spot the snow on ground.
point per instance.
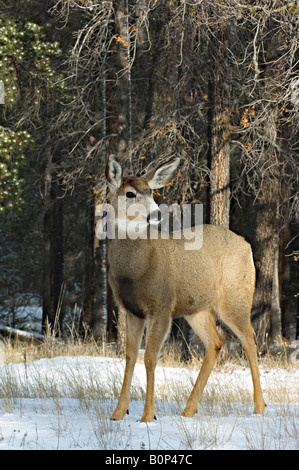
(66, 403)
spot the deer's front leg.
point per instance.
(135, 328)
(157, 330)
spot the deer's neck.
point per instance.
(129, 258)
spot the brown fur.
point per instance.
(156, 280)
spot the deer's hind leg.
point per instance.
(203, 324)
(239, 321)
(135, 328)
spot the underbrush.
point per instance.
(171, 355)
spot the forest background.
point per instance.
(214, 82)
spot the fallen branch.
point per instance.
(15, 334)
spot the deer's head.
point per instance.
(132, 196)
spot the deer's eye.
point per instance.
(130, 195)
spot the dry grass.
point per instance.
(19, 351)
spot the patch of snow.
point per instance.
(56, 419)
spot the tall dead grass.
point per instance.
(16, 351)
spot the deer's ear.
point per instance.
(114, 173)
(163, 173)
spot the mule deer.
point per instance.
(156, 280)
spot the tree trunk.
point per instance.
(219, 133)
(47, 314)
(123, 78)
(284, 280)
(297, 316)
(121, 127)
(144, 64)
(53, 285)
(284, 234)
(112, 316)
(266, 299)
(89, 278)
(275, 319)
(99, 311)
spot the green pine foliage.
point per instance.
(29, 82)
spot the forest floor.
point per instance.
(66, 401)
